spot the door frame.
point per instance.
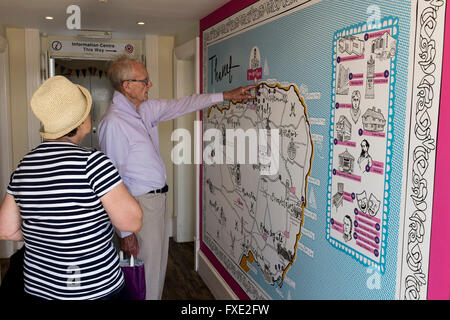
(187, 51)
(5, 122)
(34, 80)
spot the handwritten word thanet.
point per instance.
(218, 74)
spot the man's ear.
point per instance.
(125, 85)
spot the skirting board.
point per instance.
(213, 280)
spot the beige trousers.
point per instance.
(154, 242)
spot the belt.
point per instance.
(162, 190)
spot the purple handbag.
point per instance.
(134, 274)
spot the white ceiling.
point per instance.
(163, 17)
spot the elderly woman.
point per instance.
(63, 200)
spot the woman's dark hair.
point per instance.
(72, 133)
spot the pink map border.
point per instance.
(220, 14)
(439, 275)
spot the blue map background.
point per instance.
(298, 49)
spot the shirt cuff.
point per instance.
(217, 97)
(123, 234)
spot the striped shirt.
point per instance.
(67, 232)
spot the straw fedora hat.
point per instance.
(61, 106)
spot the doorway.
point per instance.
(91, 74)
(186, 176)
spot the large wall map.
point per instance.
(257, 218)
(306, 188)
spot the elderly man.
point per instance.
(128, 134)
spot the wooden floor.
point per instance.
(182, 281)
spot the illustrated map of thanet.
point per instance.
(253, 212)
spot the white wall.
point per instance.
(184, 174)
(20, 77)
(18, 93)
(10, 62)
(187, 35)
(159, 59)
(5, 115)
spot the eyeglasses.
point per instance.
(146, 81)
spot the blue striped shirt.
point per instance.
(67, 232)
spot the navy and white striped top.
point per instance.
(67, 232)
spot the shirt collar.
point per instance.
(123, 104)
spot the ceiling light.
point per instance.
(141, 23)
(49, 18)
(103, 1)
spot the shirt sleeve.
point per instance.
(10, 187)
(163, 110)
(13, 183)
(101, 174)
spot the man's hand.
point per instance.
(129, 245)
(241, 93)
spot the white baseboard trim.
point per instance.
(213, 280)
